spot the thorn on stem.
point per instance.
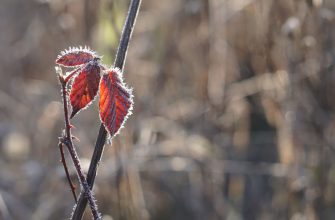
(75, 138)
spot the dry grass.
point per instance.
(233, 118)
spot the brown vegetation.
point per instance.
(233, 116)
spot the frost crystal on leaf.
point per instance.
(85, 87)
(116, 101)
(75, 56)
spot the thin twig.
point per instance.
(72, 186)
(101, 139)
(67, 141)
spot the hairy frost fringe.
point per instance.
(88, 104)
(73, 209)
(130, 110)
(85, 49)
(75, 205)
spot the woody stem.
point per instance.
(73, 188)
(67, 141)
(101, 139)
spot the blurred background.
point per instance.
(233, 118)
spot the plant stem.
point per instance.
(101, 139)
(73, 188)
(126, 34)
(67, 140)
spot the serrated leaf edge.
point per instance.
(131, 97)
(76, 50)
(90, 103)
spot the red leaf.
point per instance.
(75, 56)
(116, 101)
(85, 87)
